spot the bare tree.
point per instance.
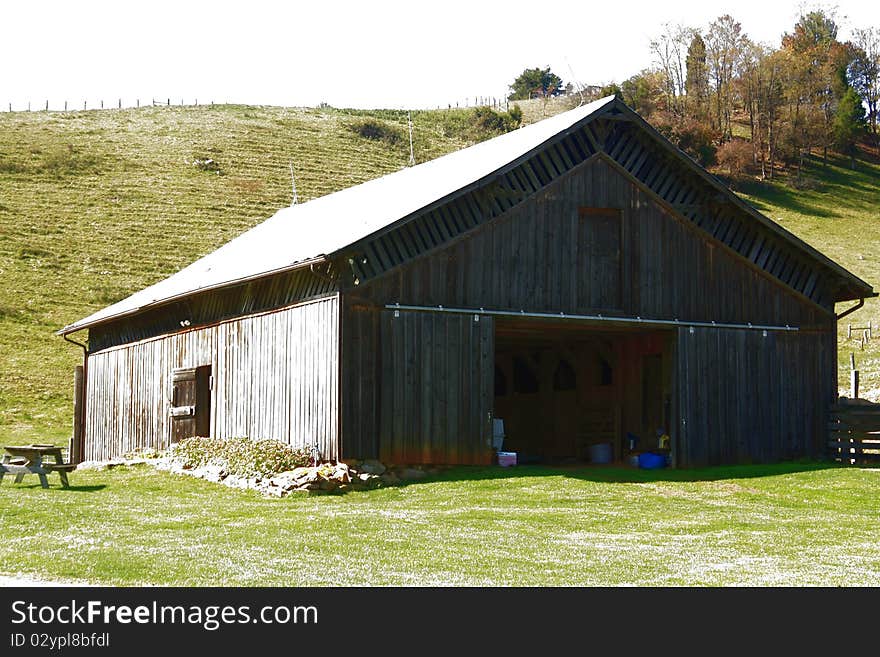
(724, 42)
(670, 54)
(864, 71)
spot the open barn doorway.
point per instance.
(564, 387)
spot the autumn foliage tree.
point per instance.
(711, 86)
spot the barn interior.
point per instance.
(563, 387)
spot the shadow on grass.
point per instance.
(625, 474)
(61, 489)
(763, 194)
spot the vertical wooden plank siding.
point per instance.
(567, 251)
(593, 241)
(770, 403)
(275, 376)
(425, 390)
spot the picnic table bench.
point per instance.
(28, 459)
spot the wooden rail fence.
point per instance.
(854, 434)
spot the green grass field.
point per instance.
(96, 205)
(781, 525)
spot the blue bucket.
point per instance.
(601, 453)
(651, 461)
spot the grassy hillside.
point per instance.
(96, 205)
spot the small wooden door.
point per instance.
(190, 402)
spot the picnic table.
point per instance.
(28, 459)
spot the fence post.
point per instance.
(65, 105)
(138, 101)
(47, 105)
(853, 377)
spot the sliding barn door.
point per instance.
(437, 373)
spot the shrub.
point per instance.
(736, 156)
(693, 137)
(487, 123)
(378, 131)
(242, 456)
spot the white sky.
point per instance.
(379, 53)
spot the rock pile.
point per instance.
(323, 478)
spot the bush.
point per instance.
(691, 136)
(378, 131)
(736, 156)
(242, 456)
(487, 123)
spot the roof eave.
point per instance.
(81, 325)
(830, 264)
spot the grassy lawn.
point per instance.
(791, 524)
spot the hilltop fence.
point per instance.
(496, 102)
(70, 106)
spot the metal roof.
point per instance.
(306, 233)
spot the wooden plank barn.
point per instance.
(580, 279)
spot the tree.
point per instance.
(536, 83)
(669, 51)
(849, 124)
(644, 92)
(864, 71)
(697, 79)
(767, 76)
(724, 43)
(816, 58)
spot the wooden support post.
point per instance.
(848, 331)
(76, 448)
(854, 384)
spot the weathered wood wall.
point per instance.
(541, 256)
(556, 252)
(275, 376)
(748, 397)
(436, 391)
